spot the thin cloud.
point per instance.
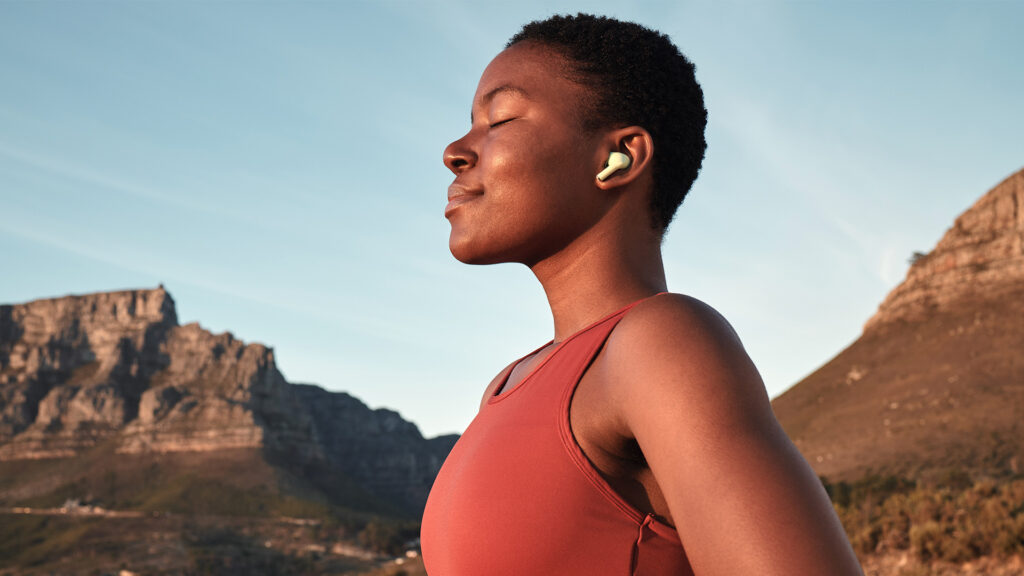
(79, 248)
(61, 168)
(69, 171)
(382, 325)
(823, 175)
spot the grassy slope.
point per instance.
(228, 482)
(239, 496)
(919, 400)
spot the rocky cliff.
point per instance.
(935, 384)
(118, 368)
(980, 257)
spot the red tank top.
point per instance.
(517, 496)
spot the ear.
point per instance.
(633, 141)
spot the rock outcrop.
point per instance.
(980, 257)
(116, 367)
(935, 384)
(373, 445)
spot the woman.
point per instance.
(640, 440)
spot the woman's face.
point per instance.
(525, 172)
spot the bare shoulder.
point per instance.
(677, 349)
(744, 499)
(678, 317)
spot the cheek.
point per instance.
(531, 200)
(536, 169)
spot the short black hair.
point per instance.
(639, 78)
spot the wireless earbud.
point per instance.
(616, 161)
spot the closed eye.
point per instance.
(500, 122)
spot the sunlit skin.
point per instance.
(672, 412)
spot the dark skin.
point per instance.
(672, 411)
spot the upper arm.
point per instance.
(743, 499)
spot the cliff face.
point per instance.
(73, 369)
(980, 257)
(935, 384)
(373, 446)
(116, 367)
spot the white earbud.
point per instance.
(616, 161)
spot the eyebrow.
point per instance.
(504, 88)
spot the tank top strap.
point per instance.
(570, 357)
(609, 323)
(588, 348)
(592, 338)
(582, 347)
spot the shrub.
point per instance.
(926, 540)
(954, 524)
(382, 537)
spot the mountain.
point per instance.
(934, 386)
(112, 379)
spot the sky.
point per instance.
(277, 166)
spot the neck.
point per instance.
(597, 274)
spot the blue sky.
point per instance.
(277, 166)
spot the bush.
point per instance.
(951, 523)
(382, 537)
(926, 540)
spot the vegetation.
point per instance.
(917, 257)
(32, 540)
(955, 521)
(388, 537)
(228, 514)
(220, 550)
(410, 567)
(178, 544)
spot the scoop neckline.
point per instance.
(500, 392)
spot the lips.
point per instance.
(459, 195)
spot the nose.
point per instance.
(459, 156)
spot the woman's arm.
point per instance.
(743, 499)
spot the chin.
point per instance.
(471, 257)
(468, 253)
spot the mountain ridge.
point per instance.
(980, 255)
(116, 367)
(934, 385)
